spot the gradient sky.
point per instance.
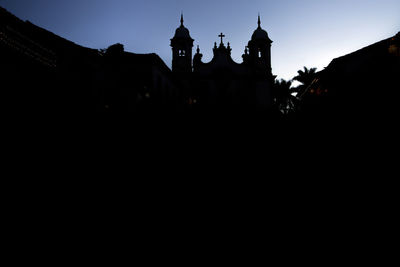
(305, 32)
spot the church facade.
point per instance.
(223, 83)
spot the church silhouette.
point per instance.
(222, 83)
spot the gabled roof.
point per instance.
(147, 59)
(38, 42)
(377, 51)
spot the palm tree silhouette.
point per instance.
(284, 96)
(305, 77)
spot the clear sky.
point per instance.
(305, 32)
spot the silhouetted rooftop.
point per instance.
(147, 60)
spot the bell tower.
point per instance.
(260, 50)
(182, 45)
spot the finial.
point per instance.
(259, 21)
(229, 45)
(198, 49)
(182, 18)
(215, 45)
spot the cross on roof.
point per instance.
(222, 36)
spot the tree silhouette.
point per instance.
(284, 99)
(305, 77)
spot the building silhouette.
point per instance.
(41, 71)
(360, 85)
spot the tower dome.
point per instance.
(182, 31)
(259, 33)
